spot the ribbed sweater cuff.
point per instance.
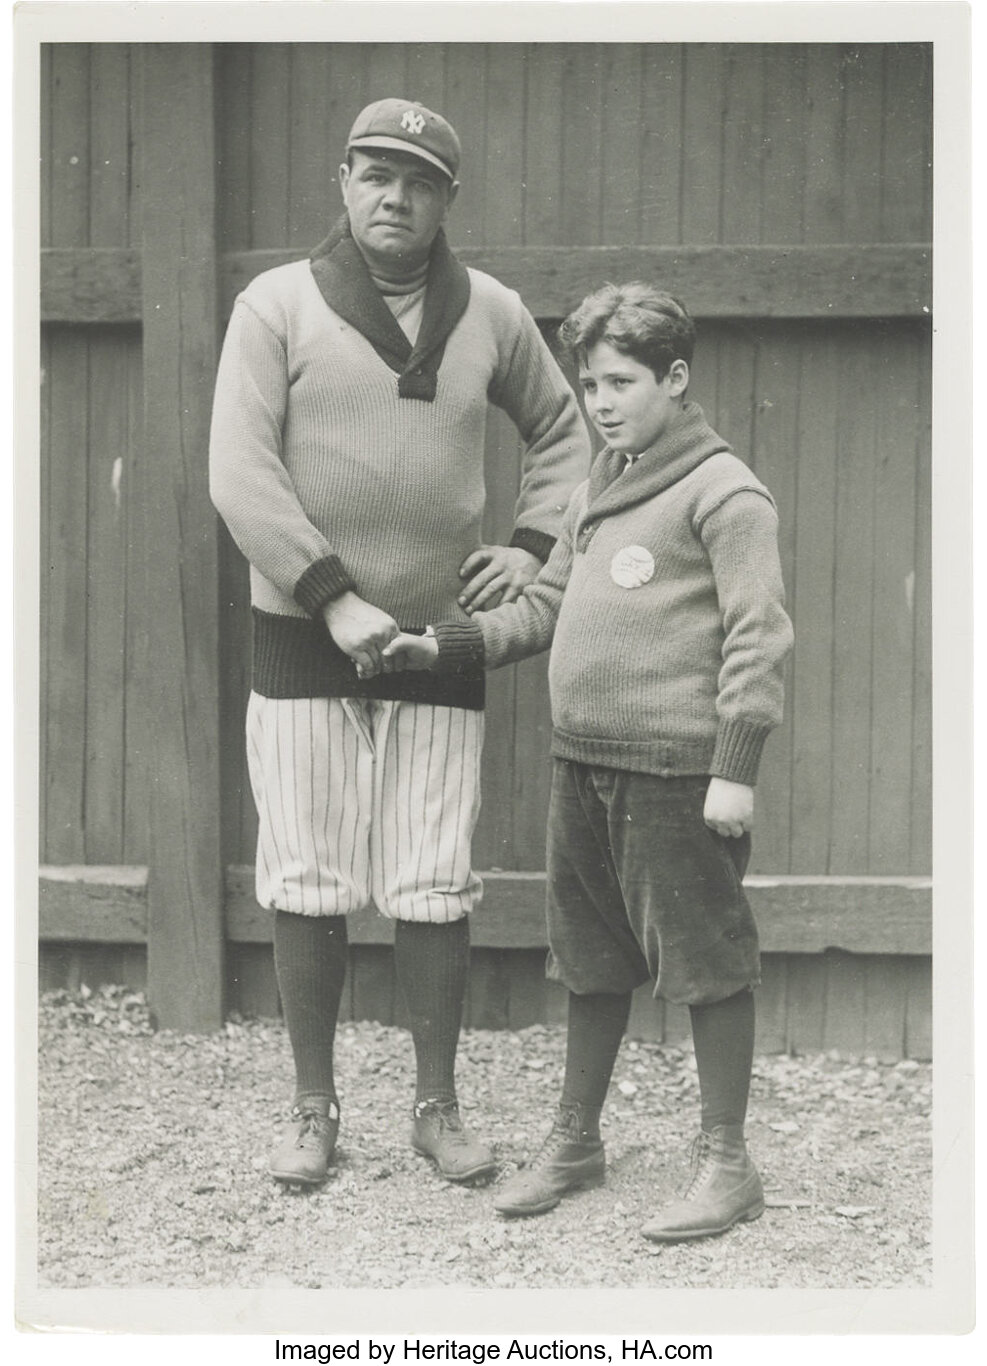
(321, 582)
(460, 645)
(737, 753)
(537, 543)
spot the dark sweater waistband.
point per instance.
(297, 657)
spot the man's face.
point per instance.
(396, 205)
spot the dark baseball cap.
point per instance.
(406, 126)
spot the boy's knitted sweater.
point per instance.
(665, 599)
(335, 468)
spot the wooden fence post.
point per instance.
(185, 883)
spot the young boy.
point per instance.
(665, 600)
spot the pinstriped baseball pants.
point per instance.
(362, 801)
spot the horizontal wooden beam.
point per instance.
(100, 284)
(90, 285)
(794, 914)
(841, 281)
(102, 905)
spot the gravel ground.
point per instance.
(153, 1150)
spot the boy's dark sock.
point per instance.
(596, 1028)
(310, 961)
(723, 1037)
(432, 965)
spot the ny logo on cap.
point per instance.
(413, 122)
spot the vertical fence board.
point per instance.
(743, 142)
(620, 211)
(704, 65)
(583, 167)
(109, 181)
(854, 606)
(270, 124)
(374, 984)
(70, 145)
(805, 1004)
(886, 982)
(506, 140)
(64, 584)
(105, 692)
(772, 1005)
(863, 70)
(810, 692)
(138, 720)
(824, 135)
(233, 148)
(784, 173)
(906, 210)
(466, 108)
(918, 1009)
(894, 594)
(921, 739)
(846, 1002)
(185, 889)
(313, 161)
(775, 442)
(386, 70)
(662, 149)
(543, 154)
(46, 87)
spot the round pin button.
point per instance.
(632, 567)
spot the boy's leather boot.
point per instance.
(303, 1155)
(566, 1161)
(725, 1189)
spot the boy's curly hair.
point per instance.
(638, 319)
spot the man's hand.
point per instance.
(729, 808)
(410, 652)
(496, 572)
(360, 630)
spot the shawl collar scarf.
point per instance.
(344, 281)
(686, 443)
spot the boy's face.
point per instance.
(626, 404)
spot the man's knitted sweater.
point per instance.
(330, 478)
(665, 599)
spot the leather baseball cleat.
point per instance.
(724, 1189)
(564, 1162)
(303, 1155)
(438, 1133)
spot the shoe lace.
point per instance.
(313, 1124)
(446, 1113)
(700, 1163)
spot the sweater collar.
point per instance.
(344, 281)
(686, 443)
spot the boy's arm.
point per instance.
(490, 639)
(740, 535)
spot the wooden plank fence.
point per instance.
(792, 212)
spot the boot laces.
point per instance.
(701, 1164)
(565, 1129)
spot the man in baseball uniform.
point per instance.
(346, 458)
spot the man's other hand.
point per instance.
(496, 573)
(360, 630)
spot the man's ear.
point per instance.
(453, 191)
(678, 377)
(344, 179)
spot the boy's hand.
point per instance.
(360, 630)
(504, 570)
(729, 808)
(409, 652)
